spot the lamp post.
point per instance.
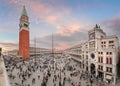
(60, 67)
(35, 49)
(53, 53)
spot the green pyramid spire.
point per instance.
(24, 12)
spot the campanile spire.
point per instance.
(24, 12)
(24, 35)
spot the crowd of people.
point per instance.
(32, 73)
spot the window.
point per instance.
(113, 46)
(86, 56)
(101, 60)
(25, 25)
(101, 36)
(110, 53)
(100, 67)
(102, 46)
(100, 52)
(111, 41)
(106, 60)
(110, 70)
(107, 53)
(98, 59)
(107, 69)
(110, 60)
(104, 42)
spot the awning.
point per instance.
(108, 77)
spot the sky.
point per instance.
(68, 20)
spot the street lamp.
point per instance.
(60, 67)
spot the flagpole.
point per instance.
(53, 52)
(35, 49)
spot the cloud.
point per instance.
(61, 41)
(51, 18)
(93, 5)
(54, 13)
(63, 45)
(8, 45)
(14, 1)
(112, 25)
(45, 10)
(69, 29)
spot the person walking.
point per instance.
(79, 84)
(38, 76)
(54, 83)
(60, 83)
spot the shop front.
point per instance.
(109, 78)
(100, 74)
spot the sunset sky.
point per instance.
(68, 20)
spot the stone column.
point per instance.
(104, 76)
(114, 79)
(96, 73)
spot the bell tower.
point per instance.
(24, 50)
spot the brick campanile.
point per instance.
(24, 49)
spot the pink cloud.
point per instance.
(63, 21)
(14, 1)
(42, 11)
(63, 45)
(39, 8)
(51, 19)
(47, 13)
(6, 48)
(71, 28)
(68, 29)
(8, 45)
(112, 26)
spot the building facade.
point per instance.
(98, 56)
(24, 50)
(39, 51)
(43, 51)
(12, 53)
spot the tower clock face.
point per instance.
(92, 55)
